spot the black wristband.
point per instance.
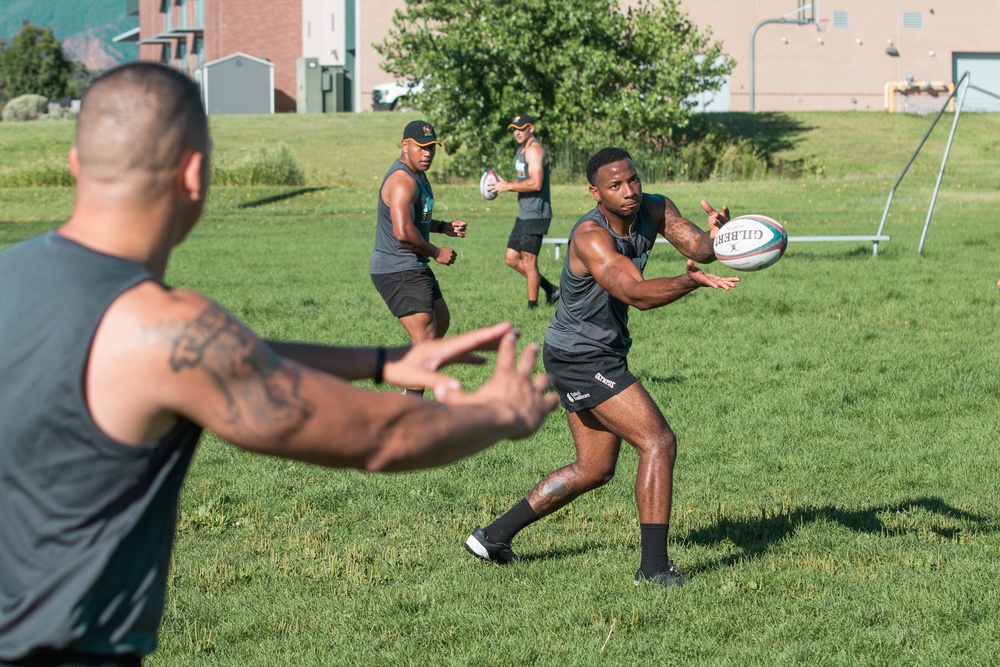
(379, 364)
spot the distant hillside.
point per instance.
(85, 27)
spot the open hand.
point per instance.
(716, 219)
(418, 365)
(708, 279)
(513, 388)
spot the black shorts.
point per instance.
(586, 379)
(408, 292)
(527, 235)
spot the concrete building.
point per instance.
(848, 54)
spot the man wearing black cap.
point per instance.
(399, 263)
(534, 208)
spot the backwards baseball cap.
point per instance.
(521, 121)
(421, 133)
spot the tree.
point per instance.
(592, 73)
(34, 62)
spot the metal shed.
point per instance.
(238, 83)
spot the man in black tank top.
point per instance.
(534, 208)
(110, 376)
(585, 356)
(405, 219)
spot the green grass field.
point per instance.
(836, 496)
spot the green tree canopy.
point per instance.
(34, 62)
(590, 72)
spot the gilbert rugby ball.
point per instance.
(750, 242)
(489, 178)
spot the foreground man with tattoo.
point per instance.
(109, 377)
(585, 355)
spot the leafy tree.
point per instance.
(589, 71)
(34, 62)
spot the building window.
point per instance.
(198, 49)
(165, 10)
(913, 20)
(165, 54)
(841, 19)
(182, 12)
(182, 61)
(199, 13)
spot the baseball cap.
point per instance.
(521, 121)
(421, 133)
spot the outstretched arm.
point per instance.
(592, 251)
(409, 366)
(692, 242)
(158, 356)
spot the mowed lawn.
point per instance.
(836, 496)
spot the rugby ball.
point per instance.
(488, 179)
(750, 242)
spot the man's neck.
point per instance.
(618, 224)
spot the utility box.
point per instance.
(321, 88)
(238, 83)
(309, 88)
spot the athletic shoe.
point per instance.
(495, 552)
(668, 578)
(552, 297)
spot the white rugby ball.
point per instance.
(489, 178)
(750, 242)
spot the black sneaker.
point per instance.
(552, 297)
(495, 552)
(667, 578)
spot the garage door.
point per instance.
(984, 72)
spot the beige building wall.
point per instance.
(374, 23)
(798, 67)
(803, 68)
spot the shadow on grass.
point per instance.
(755, 537)
(276, 198)
(770, 131)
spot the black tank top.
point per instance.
(389, 255)
(88, 522)
(588, 317)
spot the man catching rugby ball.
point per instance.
(585, 357)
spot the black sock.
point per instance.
(506, 527)
(654, 548)
(532, 304)
(545, 284)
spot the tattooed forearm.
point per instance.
(261, 391)
(691, 241)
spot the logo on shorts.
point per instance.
(574, 396)
(601, 378)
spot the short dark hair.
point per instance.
(602, 157)
(156, 112)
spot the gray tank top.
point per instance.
(533, 205)
(88, 522)
(389, 255)
(588, 317)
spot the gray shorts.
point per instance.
(586, 379)
(408, 292)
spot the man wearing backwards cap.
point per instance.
(534, 208)
(399, 263)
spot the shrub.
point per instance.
(38, 176)
(261, 166)
(26, 107)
